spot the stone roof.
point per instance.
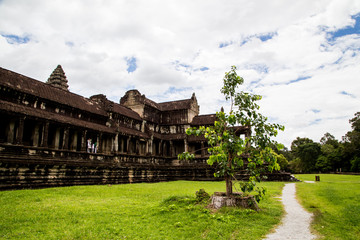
(175, 105)
(111, 106)
(151, 103)
(200, 120)
(138, 98)
(117, 108)
(39, 89)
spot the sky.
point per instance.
(303, 57)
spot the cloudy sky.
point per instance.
(303, 57)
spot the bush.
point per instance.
(202, 196)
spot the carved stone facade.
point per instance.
(50, 136)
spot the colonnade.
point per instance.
(22, 130)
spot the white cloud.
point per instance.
(300, 69)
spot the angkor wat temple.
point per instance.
(50, 136)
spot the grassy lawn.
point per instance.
(335, 202)
(132, 211)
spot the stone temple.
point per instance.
(50, 136)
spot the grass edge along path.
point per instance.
(334, 201)
(163, 210)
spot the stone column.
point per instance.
(149, 146)
(186, 146)
(122, 150)
(57, 138)
(10, 131)
(74, 139)
(100, 143)
(83, 141)
(137, 147)
(128, 145)
(45, 134)
(36, 135)
(161, 148)
(116, 142)
(65, 143)
(202, 149)
(143, 126)
(20, 131)
(172, 153)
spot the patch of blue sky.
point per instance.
(225, 44)
(260, 68)
(273, 119)
(176, 90)
(187, 67)
(338, 60)
(349, 30)
(315, 110)
(204, 69)
(178, 65)
(130, 87)
(291, 81)
(244, 41)
(316, 121)
(69, 43)
(14, 39)
(263, 37)
(131, 63)
(267, 36)
(347, 94)
(298, 80)
(184, 65)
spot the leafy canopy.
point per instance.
(230, 151)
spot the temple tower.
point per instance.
(58, 79)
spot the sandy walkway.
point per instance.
(296, 223)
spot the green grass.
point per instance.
(335, 202)
(133, 211)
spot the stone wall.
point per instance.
(29, 167)
(34, 167)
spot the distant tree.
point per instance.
(282, 161)
(352, 144)
(295, 165)
(329, 139)
(331, 154)
(306, 152)
(298, 142)
(323, 164)
(229, 151)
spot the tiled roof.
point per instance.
(34, 87)
(151, 103)
(200, 120)
(117, 108)
(175, 105)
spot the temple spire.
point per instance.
(58, 79)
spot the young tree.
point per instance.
(228, 150)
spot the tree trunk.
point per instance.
(228, 186)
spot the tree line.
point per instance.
(328, 155)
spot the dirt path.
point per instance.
(296, 223)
